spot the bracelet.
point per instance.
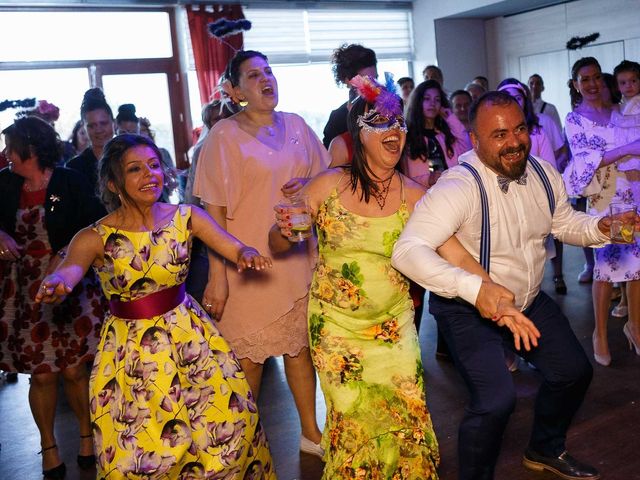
(244, 250)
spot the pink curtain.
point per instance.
(210, 54)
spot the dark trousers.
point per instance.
(477, 347)
(198, 276)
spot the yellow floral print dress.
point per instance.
(365, 348)
(168, 397)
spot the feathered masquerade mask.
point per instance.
(387, 105)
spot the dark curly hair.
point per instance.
(232, 72)
(348, 60)
(94, 99)
(111, 169)
(32, 135)
(415, 121)
(576, 96)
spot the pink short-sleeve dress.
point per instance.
(265, 313)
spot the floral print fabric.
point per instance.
(365, 348)
(39, 338)
(588, 142)
(168, 397)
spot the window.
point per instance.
(83, 36)
(128, 53)
(299, 44)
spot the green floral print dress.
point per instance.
(365, 348)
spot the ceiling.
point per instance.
(507, 8)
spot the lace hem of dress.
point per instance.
(288, 335)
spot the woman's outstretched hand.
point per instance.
(524, 331)
(53, 289)
(250, 258)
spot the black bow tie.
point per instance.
(503, 182)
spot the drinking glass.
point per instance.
(299, 212)
(623, 221)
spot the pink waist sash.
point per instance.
(152, 305)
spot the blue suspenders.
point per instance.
(485, 235)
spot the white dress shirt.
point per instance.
(551, 130)
(550, 110)
(520, 220)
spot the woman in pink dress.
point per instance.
(435, 137)
(247, 163)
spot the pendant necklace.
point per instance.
(382, 191)
(41, 186)
(271, 131)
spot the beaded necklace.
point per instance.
(382, 192)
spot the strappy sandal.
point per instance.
(55, 473)
(86, 462)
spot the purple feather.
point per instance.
(388, 104)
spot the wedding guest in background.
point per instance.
(79, 139)
(44, 205)
(406, 85)
(536, 85)
(97, 117)
(592, 172)
(476, 90)
(347, 62)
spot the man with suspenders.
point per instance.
(501, 203)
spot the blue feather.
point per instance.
(389, 84)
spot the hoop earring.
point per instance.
(243, 103)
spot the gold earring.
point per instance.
(243, 103)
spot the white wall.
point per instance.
(425, 12)
(520, 44)
(461, 50)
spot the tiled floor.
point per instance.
(606, 431)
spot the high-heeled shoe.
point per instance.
(55, 473)
(602, 359)
(632, 343)
(308, 446)
(561, 287)
(86, 462)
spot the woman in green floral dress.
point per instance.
(363, 341)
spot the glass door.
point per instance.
(149, 92)
(45, 85)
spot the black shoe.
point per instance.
(11, 377)
(86, 462)
(564, 466)
(561, 287)
(55, 473)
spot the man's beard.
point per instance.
(513, 170)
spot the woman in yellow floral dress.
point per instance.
(168, 396)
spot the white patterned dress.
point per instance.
(589, 141)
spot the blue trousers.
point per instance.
(477, 347)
